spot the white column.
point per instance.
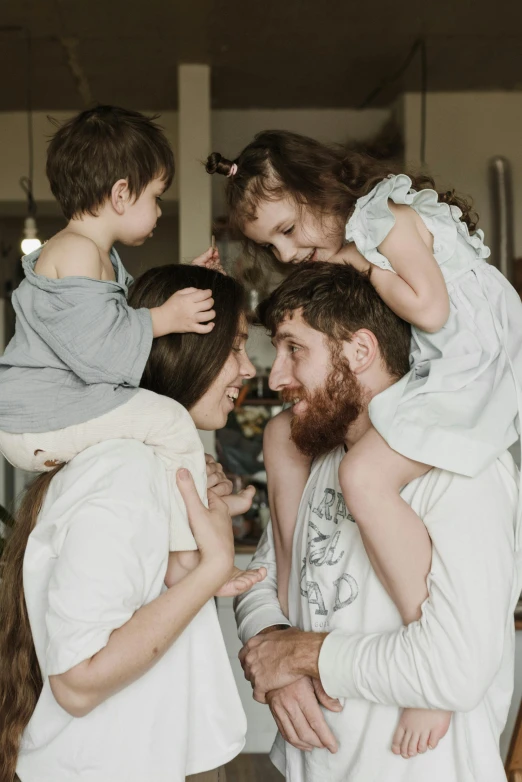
(195, 196)
(195, 204)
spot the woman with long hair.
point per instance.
(107, 674)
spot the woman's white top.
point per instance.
(98, 553)
(457, 407)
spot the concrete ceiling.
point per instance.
(266, 54)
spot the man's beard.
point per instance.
(330, 410)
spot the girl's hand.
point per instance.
(211, 527)
(210, 260)
(350, 254)
(241, 581)
(216, 478)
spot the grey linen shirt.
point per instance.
(78, 352)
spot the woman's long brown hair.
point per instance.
(20, 677)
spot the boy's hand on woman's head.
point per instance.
(188, 310)
(210, 260)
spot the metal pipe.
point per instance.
(502, 250)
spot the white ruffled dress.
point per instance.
(458, 407)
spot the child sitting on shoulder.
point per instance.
(70, 376)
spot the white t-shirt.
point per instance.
(98, 553)
(459, 656)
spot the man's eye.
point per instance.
(293, 348)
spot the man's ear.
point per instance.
(361, 351)
(120, 196)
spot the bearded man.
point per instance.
(337, 666)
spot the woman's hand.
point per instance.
(211, 527)
(241, 581)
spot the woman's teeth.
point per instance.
(233, 394)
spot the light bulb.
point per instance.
(30, 242)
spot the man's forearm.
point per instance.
(259, 608)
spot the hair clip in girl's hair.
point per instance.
(233, 170)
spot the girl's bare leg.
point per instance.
(399, 547)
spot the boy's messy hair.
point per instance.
(91, 151)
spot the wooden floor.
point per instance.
(252, 768)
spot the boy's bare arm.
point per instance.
(72, 255)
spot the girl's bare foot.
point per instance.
(419, 730)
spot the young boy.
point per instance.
(70, 376)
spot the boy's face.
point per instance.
(141, 215)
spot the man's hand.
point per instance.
(279, 658)
(298, 716)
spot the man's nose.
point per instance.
(278, 378)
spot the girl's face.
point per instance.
(212, 410)
(293, 233)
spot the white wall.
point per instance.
(464, 130)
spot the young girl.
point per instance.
(457, 408)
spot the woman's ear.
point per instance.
(361, 351)
(120, 196)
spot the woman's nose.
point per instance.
(248, 370)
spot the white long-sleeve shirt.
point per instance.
(459, 656)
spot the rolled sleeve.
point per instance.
(259, 608)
